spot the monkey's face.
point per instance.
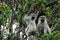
(42, 19)
(29, 18)
(33, 16)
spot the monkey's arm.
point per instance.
(49, 30)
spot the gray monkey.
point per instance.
(42, 26)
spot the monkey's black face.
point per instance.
(42, 19)
(33, 18)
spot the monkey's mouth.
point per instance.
(42, 21)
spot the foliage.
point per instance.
(5, 12)
(22, 7)
(53, 36)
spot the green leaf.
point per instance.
(47, 14)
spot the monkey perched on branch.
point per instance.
(42, 26)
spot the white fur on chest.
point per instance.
(31, 27)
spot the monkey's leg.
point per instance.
(49, 30)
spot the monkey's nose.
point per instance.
(42, 21)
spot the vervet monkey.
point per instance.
(32, 25)
(29, 17)
(42, 25)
